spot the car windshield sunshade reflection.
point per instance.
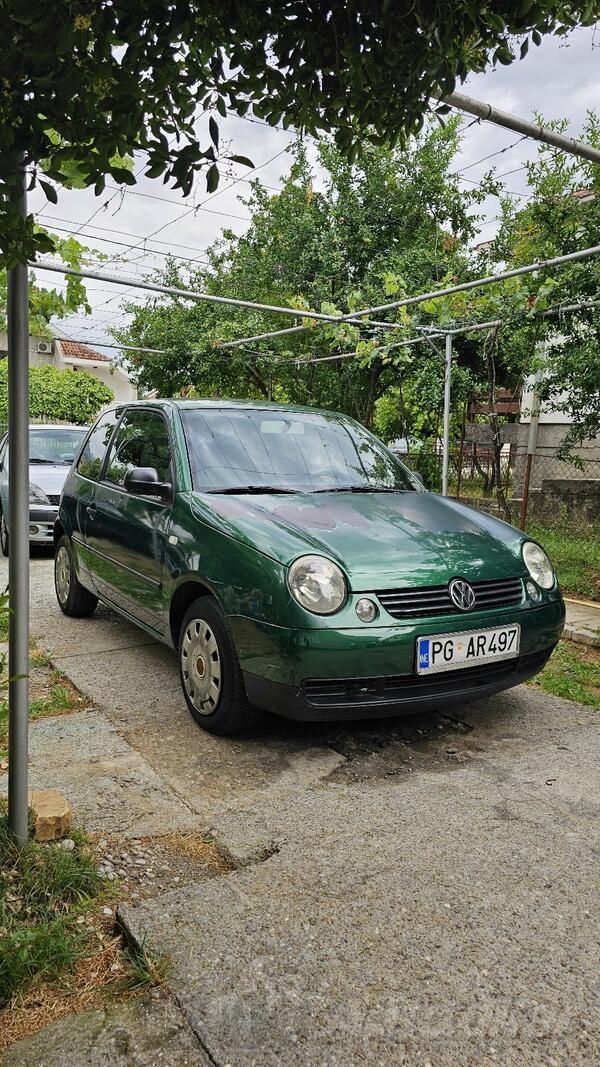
(270, 450)
(58, 446)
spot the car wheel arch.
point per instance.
(59, 531)
(189, 590)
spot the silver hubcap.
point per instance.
(201, 666)
(63, 574)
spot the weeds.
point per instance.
(60, 698)
(145, 969)
(43, 889)
(576, 559)
(572, 672)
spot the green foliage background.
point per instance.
(59, 395)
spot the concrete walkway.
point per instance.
(583, 621)
(408, 892)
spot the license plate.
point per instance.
(452, 652)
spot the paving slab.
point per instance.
(583, 621)
(108, 782)
(448, 917)
(140, 1033)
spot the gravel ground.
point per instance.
(144, 868)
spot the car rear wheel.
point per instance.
(210, 673)
(3, 536)
(73, 598)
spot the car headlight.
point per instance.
(317, 584)
(37, 495)
(538, 565)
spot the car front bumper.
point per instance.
(328, 674)
(41, 524)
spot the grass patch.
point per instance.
(51, 693)
(145, 969)
(59, 950)
(576, 558)
(572, 672)
(43, 890)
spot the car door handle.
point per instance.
(91, 510)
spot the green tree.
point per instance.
(85, 85)
(47, 304)
(59, 395)
(394, 222)
(562, 215)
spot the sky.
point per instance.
(558, 80)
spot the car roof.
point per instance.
(56, 426)
(211, 403)
(53, 426)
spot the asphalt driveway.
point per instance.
(418, 891)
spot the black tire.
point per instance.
(215, 692)
(3, 536)
(73, 598)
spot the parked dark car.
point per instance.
(52, 450)
(296, 565)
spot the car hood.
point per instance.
(50, 478)
(379, 539)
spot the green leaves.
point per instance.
(212, 178)
(243, 160)
(110, 83)
(59, 395)
(49, 191)
(214, 132)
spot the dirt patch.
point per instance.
(96, 980)
(415, 742)
(145, 867)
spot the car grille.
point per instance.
(54, 499)
(404, 688)
(435, 599)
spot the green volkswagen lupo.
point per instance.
(296, 565)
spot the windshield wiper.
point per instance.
(361, 489)
(40, 459)
(253, 489)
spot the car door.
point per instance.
(79, 495)
(126, 532)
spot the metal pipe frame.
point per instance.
(530, 129)
(556, 261)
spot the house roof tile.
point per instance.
(74, 350)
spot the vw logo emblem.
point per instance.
(462, 594)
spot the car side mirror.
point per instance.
(418, 477)
(144, 482)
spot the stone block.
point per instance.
(53, 814)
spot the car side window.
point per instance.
(142, 440)
(90, 461)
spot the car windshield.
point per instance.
(58, 445)
(245, 449)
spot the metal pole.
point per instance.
(524, 126)
(531, 447)
(355, 317)
(447, 391)
(18, 562)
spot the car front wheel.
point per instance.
(210, 671)
(73, 598)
